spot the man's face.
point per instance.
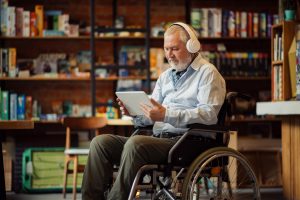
(176, 52)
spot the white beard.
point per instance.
(180, 66)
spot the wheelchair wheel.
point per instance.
(218, 174)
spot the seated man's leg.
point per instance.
(138, 151)
(105, 151)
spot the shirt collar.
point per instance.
(198, 62)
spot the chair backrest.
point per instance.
(82, 123)
(225, 110)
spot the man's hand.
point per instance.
(124, 111)
(155, 113)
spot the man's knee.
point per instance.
(100, 141)
(135, 143)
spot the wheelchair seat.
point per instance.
(208, 170)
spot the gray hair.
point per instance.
(183, 34)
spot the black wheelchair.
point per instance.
(199, 167)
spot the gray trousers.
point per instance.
(132, 153)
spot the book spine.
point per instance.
(196, 18)
(231, 24)
(255, 25)
(250, 24)
(19, 22)
(1, 63)
(11, 23)
(204, 22)
(210, 22)
(13, 106)
(238, 24)
(5, 62)
(217, 25)
(28, 107)
(243, 24)
(33, 25)
(26, 24)
(4, 105)
(263, 25)
(21, 107)
(4, 17)
(269, 25)
(12, 62)
(225, 23)
(39, 10)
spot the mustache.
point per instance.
(172, 60)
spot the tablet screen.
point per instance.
(132, 101)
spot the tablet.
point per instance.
(132, 101)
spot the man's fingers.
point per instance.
(155, 103)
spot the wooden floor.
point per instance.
(266, 193)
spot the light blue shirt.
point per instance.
(196, 97)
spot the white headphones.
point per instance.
(193, 44)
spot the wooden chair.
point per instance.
(72, 153)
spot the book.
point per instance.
(196, 18)
(13, 106)
(28, 107)
(263, 25)
(4, 62)
(39, 11)
(225, 23)
(21, 107)
(243, 24)
(19, 22)
(231, 24)
(33, 24)
(238, 24)
(12, 60)
(255, 25)
(4, 105)
(1, 69)
(63, 23)
(26, 24)
(11, 23)
(249, 24)
(3, 17)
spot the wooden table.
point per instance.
(289, 111)
(10, 125)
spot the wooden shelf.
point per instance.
(278, 62)
(71, 78)
(280, 83)
(222, 38)
(45, 38)
(243, 78)
(16, 124)
(72, 38)
(122, 37)
(115, 78)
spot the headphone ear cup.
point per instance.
(193, 46)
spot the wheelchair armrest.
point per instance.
(196, 129)
(208, 128)
(145, 130)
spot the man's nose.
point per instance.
(170, 54)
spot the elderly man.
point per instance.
(190, 91)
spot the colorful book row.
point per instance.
(217, 22)
(15, 106)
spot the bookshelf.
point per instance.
(50, 90)
(107, 46)
(282, 37)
